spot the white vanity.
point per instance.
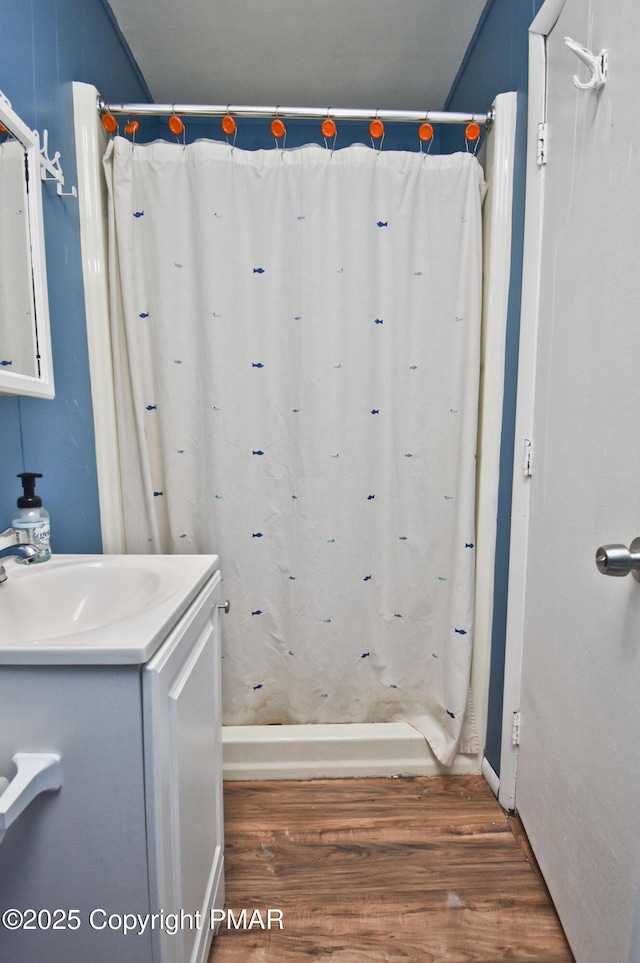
(112, 664)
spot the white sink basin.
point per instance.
(95, 608)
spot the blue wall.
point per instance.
(46, 46)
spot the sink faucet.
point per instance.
(25, 552)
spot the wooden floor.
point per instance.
(424, 870)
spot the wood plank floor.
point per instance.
(423, 870)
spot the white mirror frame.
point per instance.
(12, 382)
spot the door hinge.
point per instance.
(528, 458)
(541, 153)
(515, 728)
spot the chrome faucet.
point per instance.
(27, 553)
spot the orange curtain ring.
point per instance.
(228, 125)
(109, 123)
(376, 129)
(425, 133)
(176, 126)
(132, 128)
(472, 131)
(277, 128)
(329, 128)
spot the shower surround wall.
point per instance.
(497, 242)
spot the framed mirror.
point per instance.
(25, 341)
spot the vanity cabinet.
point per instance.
(125, 861)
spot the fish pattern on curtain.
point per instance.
(296, 348)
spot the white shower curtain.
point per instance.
(296, 345)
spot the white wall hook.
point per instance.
(37, 772)
(50, 169)
(597, 64)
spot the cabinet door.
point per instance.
(183, 779)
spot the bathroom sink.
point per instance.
(95, 608)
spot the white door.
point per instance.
(578, 770)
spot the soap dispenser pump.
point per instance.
(31, 524)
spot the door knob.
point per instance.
(619, 560)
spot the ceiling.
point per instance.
(376, 54)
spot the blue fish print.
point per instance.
(375, 411)
(339, 365)
(152, 407)
(460, 631)
(383, 223)
(331, 541)
(450, 714)
(257, 535)
(453, 411)
(184, 536)
(156, 494)
(295, 411)
(216, 315)
(218, 497)
(258, 364)
(413, 367)
(397, 615)
(458, 317)
(177, 361)
(215, 408)
(365, 655)
(295, 496)
(258, 453)
(257, 612)
(392, 686)
(378, 321)
(448, 498)
(258, 270)
(178, 265)
(138, 213)
(257, 686)
(6, 364)
(297, 317)
(335, 456)
(403, 538)
(292, 578)
(215, 214)
(370, 498)
(408, 455)
(324, 695)
(469, 545)
(326, 621)
(340, 271)
(434, 656)
(442, 578)
(417, 274)
(367, 578)
(144, 314)
(300, 217)
(180, 451)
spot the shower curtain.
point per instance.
(296, 341)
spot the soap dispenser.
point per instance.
(31, 524)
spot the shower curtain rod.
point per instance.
(321, 113)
